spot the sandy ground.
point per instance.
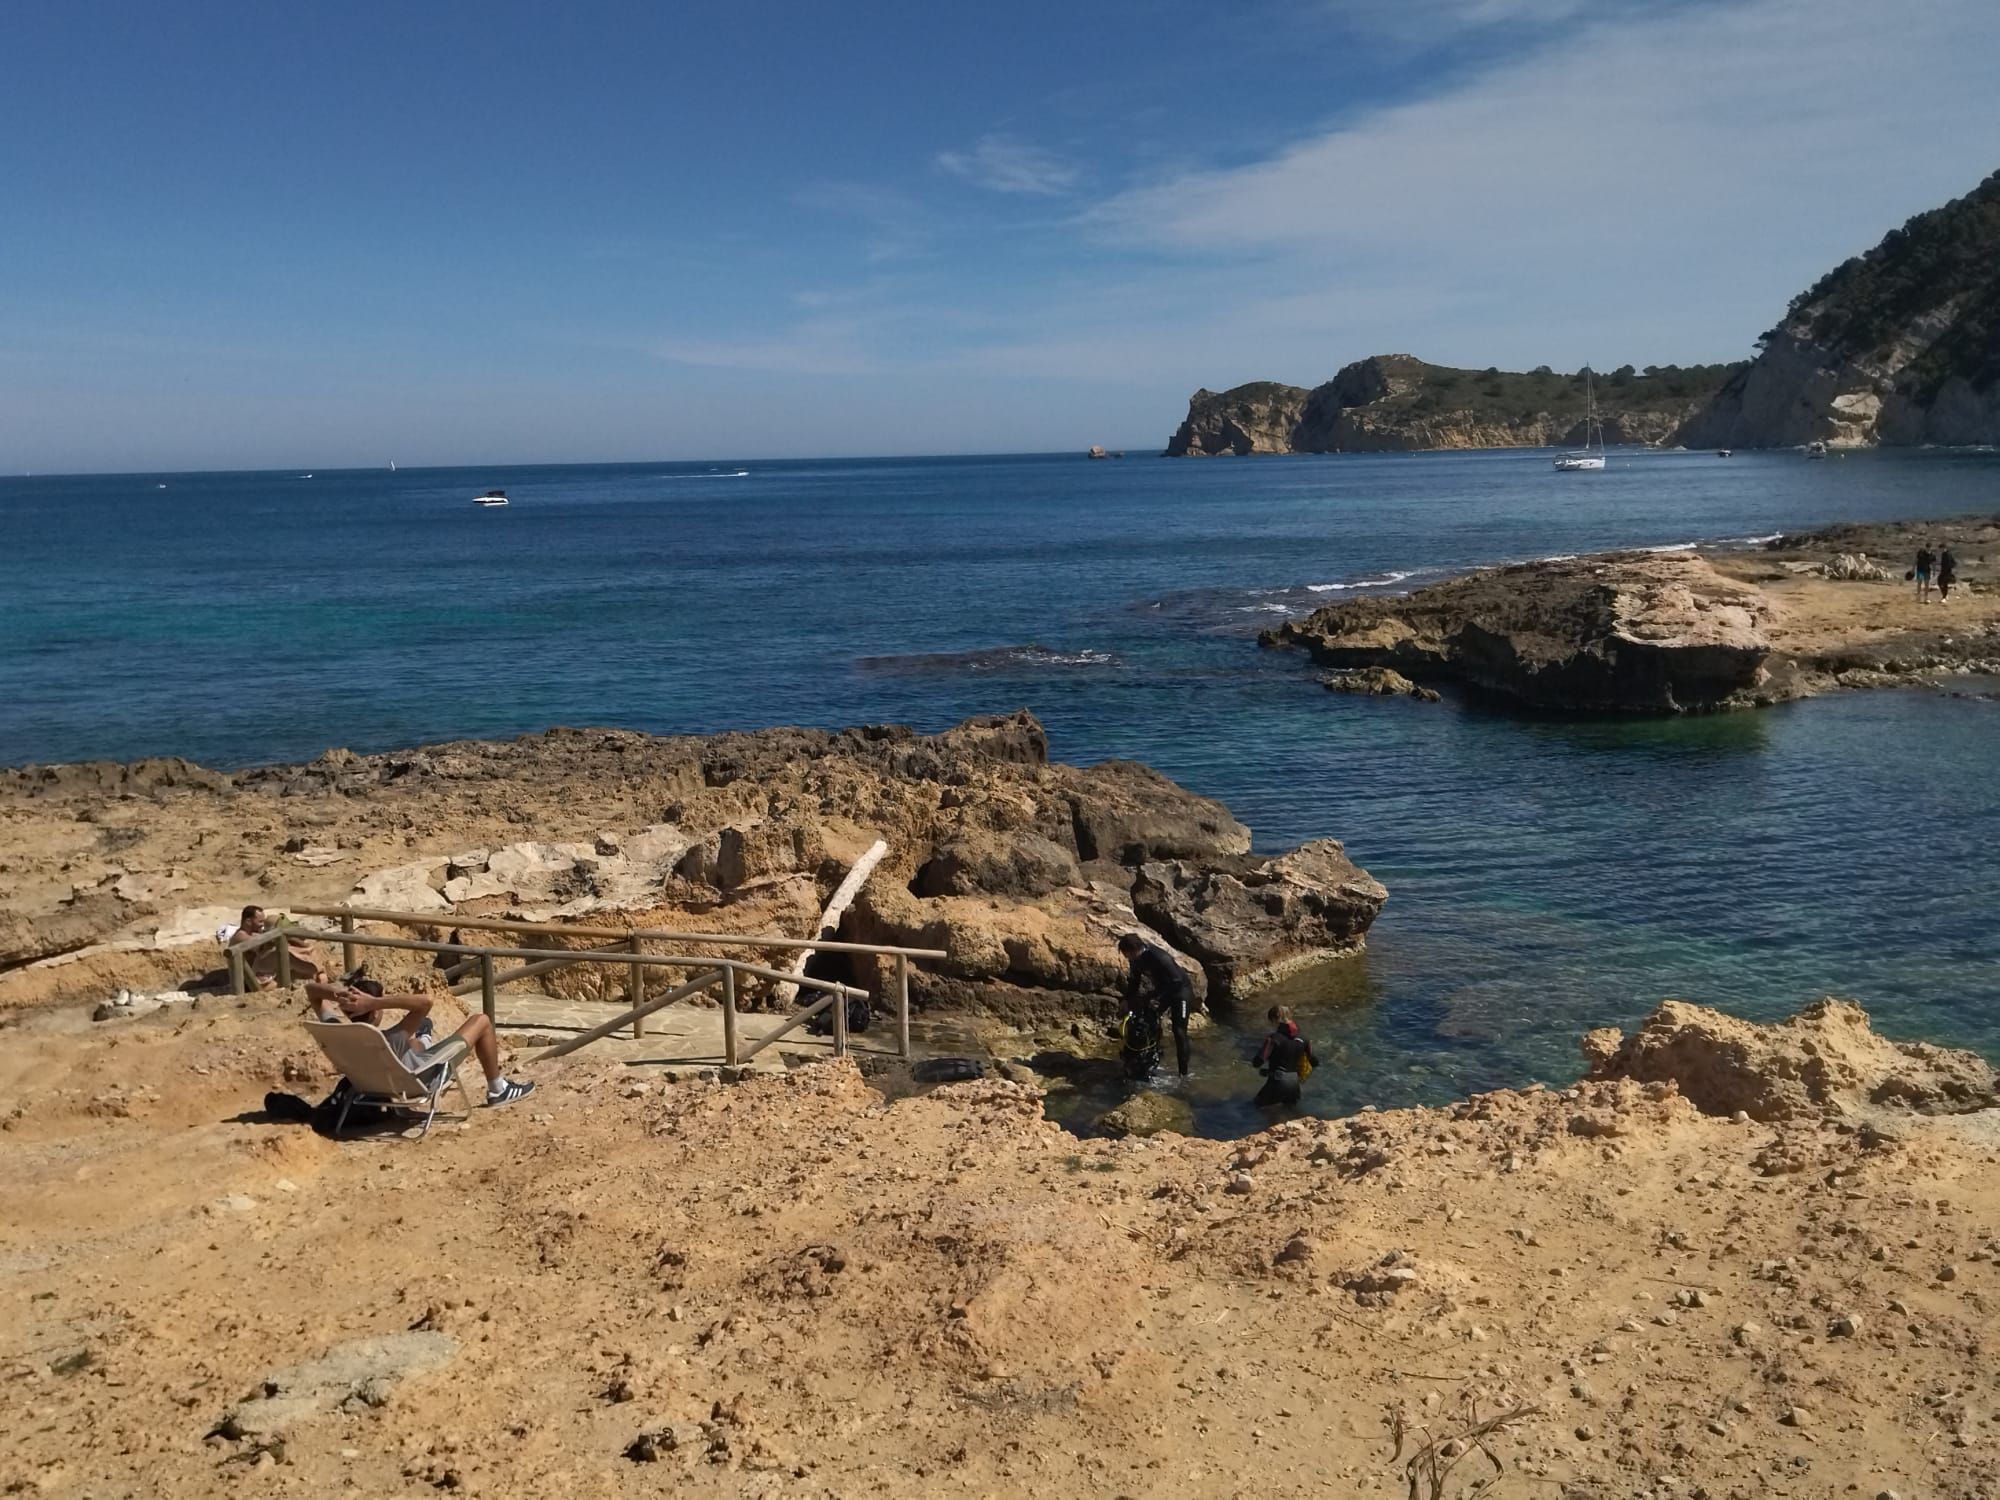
(1820, 617)
(789, 1287)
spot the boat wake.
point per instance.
(730, 474)
(1031, 657)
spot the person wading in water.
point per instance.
(1286, 1059)
(1172, 997)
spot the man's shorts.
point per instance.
(451, 1049)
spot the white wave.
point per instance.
(1263, 609)
(1670, 547)
(1364, 583)
(733, 474)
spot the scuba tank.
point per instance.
(1139, 1044)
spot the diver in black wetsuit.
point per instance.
(1172, 996)
(1285, 1060)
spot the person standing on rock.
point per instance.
(1171, 996)
(1286, 1059)
(1947, 575)
(1923, 573)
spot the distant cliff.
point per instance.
(1395, 402)
(1900, 346)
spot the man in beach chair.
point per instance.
(409, 1037)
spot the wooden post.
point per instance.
(636, 987)
(284, 947)
(489, 999)
(839, 1025)
(903, 1006)
(729, 1014)
(236, 967)
(347, 949)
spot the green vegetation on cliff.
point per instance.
(1945, 261)
(1505, 397)
(1396, 401)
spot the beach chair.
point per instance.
(376, 1075)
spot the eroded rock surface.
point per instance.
(1825, 1061)
(1631, 632)
(1021, 869)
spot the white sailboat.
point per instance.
(1586, 459)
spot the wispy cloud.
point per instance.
(1683, 172)
(1007, 165)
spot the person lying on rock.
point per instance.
(410, 1036)
(263, 962)
(1287, 1057)
(1155, 980)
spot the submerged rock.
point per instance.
(1378, 682)
(1148, 1113)
(1630, 633)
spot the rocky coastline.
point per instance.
(1024, 870)
(1396, 403)
(1681, 631)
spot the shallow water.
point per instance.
(1545, 877)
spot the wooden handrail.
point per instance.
(560, 929)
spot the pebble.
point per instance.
(1846, 1326)
(1947, 1273)
(1796, 1416)
(1239, 1183)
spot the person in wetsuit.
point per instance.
(1285, 1056)
(1155, 975)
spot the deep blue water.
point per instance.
(1544, 877)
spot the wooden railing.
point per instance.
(717, 974)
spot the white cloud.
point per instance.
(1650, 188)
(1007, 165)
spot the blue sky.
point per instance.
(240, 235)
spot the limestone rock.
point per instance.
(1826, 1061)
(364, 1370)
(1250, 920)
(1130, 813)
(404, 888)
(1255, 418)
(1637, 633)
(1377, 682)
(1021, 864)
(1853, 567)
(1148, 1113)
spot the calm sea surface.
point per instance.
(1544, 877)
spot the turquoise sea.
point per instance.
(1545, 877)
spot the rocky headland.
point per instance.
(1898, 347)
(1024, 870)
(1393, 403)
(1681, 632)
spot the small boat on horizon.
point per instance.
(1815, 449)
(492, 497)
(1570, 462)
(1722, 452)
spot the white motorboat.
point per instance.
(1815, 449)
(492, 497)
(1570, 462)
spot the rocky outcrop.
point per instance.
(1900, 346)
(1630, 633)
(1825, 1062)
(1249, 921)
(1398, 403)
(1024, 871)
(1377, 682)
(1256, 418)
